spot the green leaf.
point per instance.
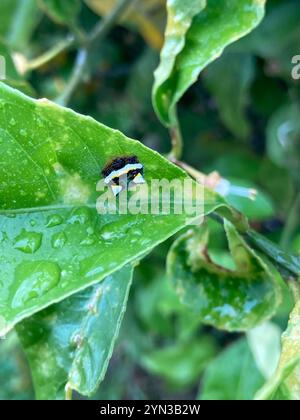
(72, 342)
(53, 241)
(180, 364)
(180, 18)
(233, 375)
(215, 27)
(264, 342)
(238, 70)
(18, 18)
(62, 12)
(285, 384)
(230, 299)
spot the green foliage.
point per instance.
(182, 364)
(55, 214)
(76, 337)
(233, 375)
(232, 299)
(198, 46)
(284, 385)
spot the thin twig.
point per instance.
(102, 28)
(51, 54)
(78, 73)
(84, 54)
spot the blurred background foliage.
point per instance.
(241, 119)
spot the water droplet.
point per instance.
(3, 237)
(90, 240)
(109, 232)
(79, 216)
(90, 230)
(28, 242)
(59, 240)
(11, 215)
(34, 279)
(137, 232)
(54, 220)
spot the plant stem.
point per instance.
(176, 138)
(194, 173)
(50, 54)
(102, 28)
(84, 54)
(78, 73)
(291, 224)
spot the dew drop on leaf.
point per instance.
(79, 216)
(54, 220)
(90, 230)
(28, 242)
(33, 280)
(90, 240)
(59, 240)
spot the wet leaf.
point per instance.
(231, 299)
(285, 384)
(72, 342)
(215, 27)
(53, 240)
(233, 375)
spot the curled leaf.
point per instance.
(234, 299)
(201, 41)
